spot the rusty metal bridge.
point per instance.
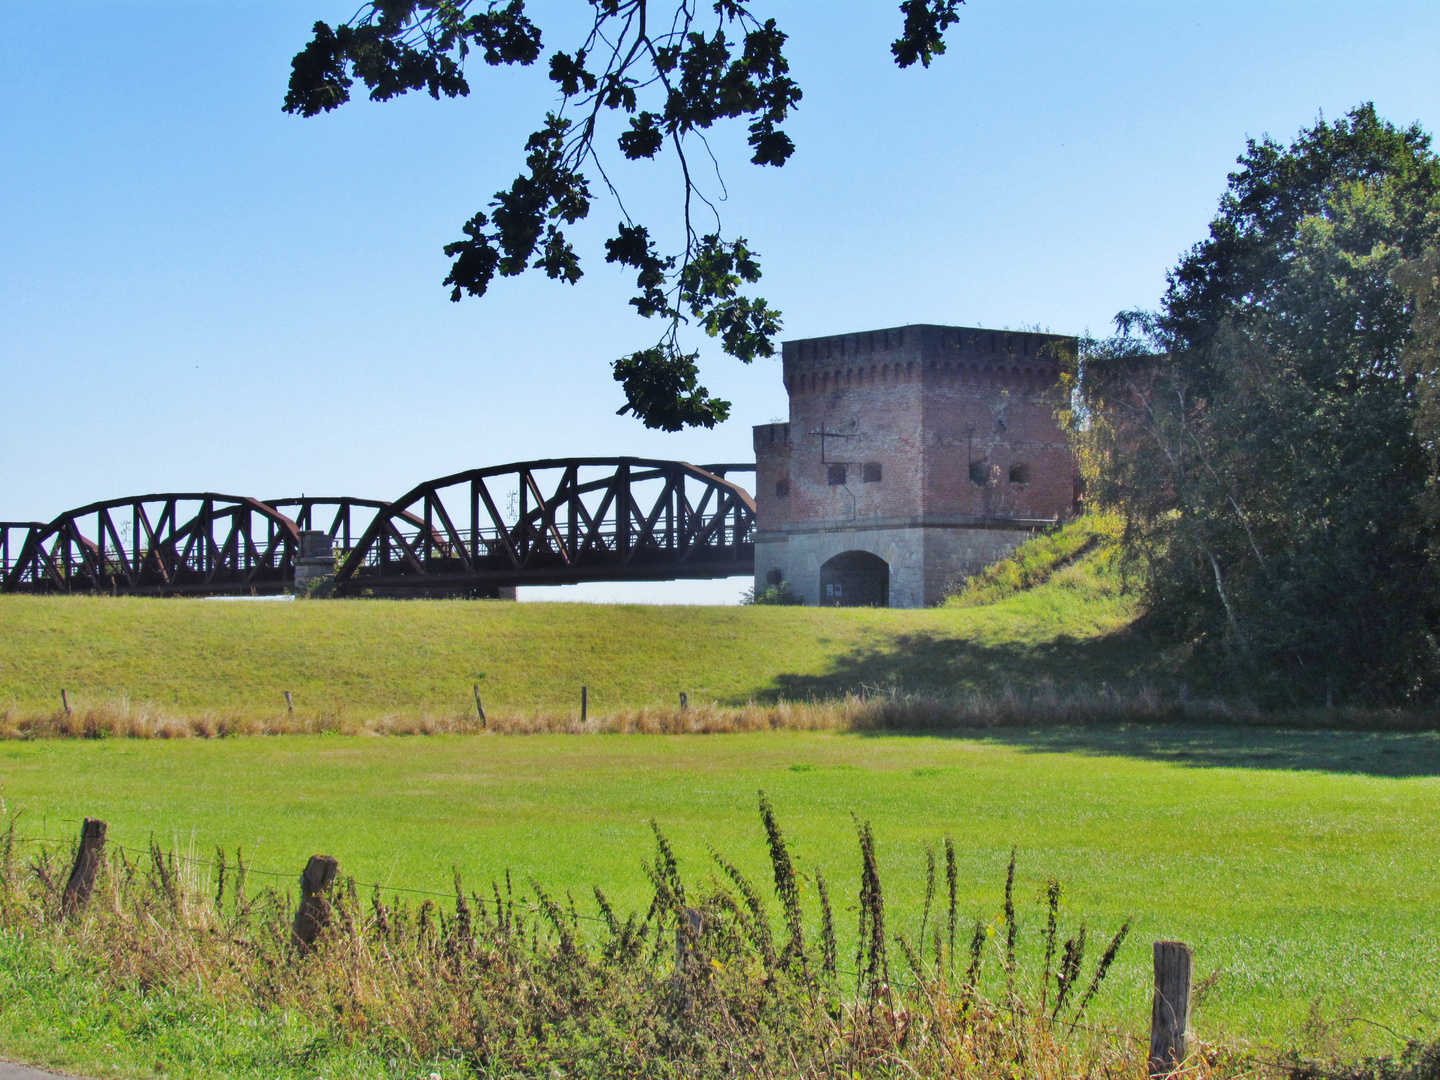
(474, 533)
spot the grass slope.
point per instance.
(371, 656)
(1035, 561)
(1299, 864)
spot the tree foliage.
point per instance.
(667, 74)
(1270, 437)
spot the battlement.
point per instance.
(905, 352)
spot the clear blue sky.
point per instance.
(198, 291)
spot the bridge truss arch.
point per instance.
(555, 521)
(163, 544)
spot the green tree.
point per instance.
(667, 74)
(1262, 436)
(1421, 280)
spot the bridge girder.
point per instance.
(566, 520)
(159, 544)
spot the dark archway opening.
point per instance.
(855, 579)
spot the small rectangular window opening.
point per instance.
(978, 473)
(782, 489)
(872, 472)
(1020, 474)
(835, 475)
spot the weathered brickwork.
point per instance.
(940, 452)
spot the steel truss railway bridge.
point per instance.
(477, 533)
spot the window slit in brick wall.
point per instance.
(835, 475)
(1020, 473)
(871, 473)
(977, 473)
(782, 488)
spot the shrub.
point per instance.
(521, 983)
(779, 593)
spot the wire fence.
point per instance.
(1282, 1065)
(211, 865)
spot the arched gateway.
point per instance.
(855, 579)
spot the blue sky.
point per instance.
(198, 291)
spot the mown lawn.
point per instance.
(363, 657)
(1301, 865)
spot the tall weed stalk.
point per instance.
(524, 983)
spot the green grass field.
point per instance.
(1301, 865)
(365, 657)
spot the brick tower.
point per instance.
(913, 458)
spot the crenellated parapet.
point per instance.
(1020, 359)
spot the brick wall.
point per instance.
(925, 425)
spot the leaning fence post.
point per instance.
(87, 864)
(65, 701)
(313, 912)
(1170, 1013)
(478, 707)
(584, 702)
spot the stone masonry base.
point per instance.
(926, 562)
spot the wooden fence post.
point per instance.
(478, 707)
(584, 702)
(289, 704)
(314, 911)
(1170, 1013)
(687, 934)
(65, 701)
(87, 864)
(684, 701)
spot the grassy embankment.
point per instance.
(356, 662)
